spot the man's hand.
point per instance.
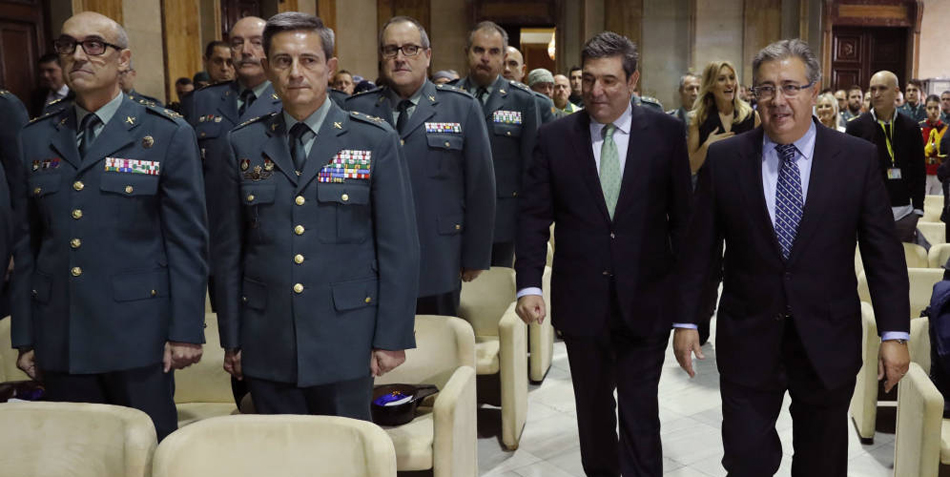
(232, 363)
(531, 309)
(469, 274)
(685, 344)
(180, 355)
(26, 361)
(893, 363)
(383, 361)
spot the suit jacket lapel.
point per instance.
(584, 154)
(326, 145)
(754, 191)
(228, 104)
(116, 134)
(633, 170)
(64, 140)
(424, 110)
(276, 148)
(820, 184)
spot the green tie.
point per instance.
(610, 169)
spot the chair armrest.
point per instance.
(455, 442)
(919, 423)
(513, 369)
(919, 345)
(864, 400)
(541, 337)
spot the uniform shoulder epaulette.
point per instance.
(366, 118)
(451, 87)
(520, 85)
(46, 115)
(852, 118)
(54, 102)
(254, 120)
(922, 123)
(160, 111)
(4, 92)
(651, 100)
(361, 93)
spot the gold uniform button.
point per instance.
(447, 144)
(508, 133)
(128, 189)
(514, 194)
(402, 142)
(458, 227)
(75, 243)
(154, 293)
(299, 230)
(250, 197)
(298, 259)
(78, 185)
(76, 271)
(37, 191)
(298, 288)
(345, 197)
(77, 214)
(368, 299)
(300, 200)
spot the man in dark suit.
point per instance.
(449, 157)
(111, 265)
(53, 88)
(511, 116)
(317, 243)
(900, 152)
(789, 318)
(614, 179)
(13, 117)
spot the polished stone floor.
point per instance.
(690, 413)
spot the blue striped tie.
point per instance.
(788, 198)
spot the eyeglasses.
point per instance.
(409, 51)
(66, 45)
(765, 92)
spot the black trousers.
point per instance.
(147, 389)
(819, 419)
(503, 254)
(631, 365)
(343, 398)
(444, 304)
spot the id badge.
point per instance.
(894, 173)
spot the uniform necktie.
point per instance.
(403, 109)
(789, 202)
(483, 95)
(610, 169)
(297, 152)
(248, 97)
(88, 127)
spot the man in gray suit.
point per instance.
(318, 240)
(108, 288)
(512, 119)
(446, 147)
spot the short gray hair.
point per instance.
(491, 26)
(786, 49)
(608, 44)
(121, 37)
(297, 21)
(423, 36)
(684, 78)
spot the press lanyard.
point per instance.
(887, 140)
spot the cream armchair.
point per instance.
(922, 436)
(443, 435)
(864, 400)
(922, 281)
(934, 232)
(8, 355)
(938, 255)
(933, 205)
(915, 256)
(254, 446)
(541, 337)
(488, 303)
(55, 439)
(203, 390)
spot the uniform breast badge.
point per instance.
(148, 142)
(507, 117)
(132, 166)
(347, 164)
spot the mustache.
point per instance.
(248, 61)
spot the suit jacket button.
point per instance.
(300, 200)
(606, 273)
(298, 288)
(779, 316)
(299, 230)
(77, 214)
(612, 235)
(76, 271)
(345, 197)
(244, 299)
(33, 292)
(514, 194)
(298, 259)
(78, 185)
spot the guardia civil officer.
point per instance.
(13, 117)
(450, 164)
(111, 266)
(318, 240)
(512, 119)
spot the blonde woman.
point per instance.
(719, 113)
(827, 111)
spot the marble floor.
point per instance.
(690, 413)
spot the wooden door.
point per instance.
(858, 53)
(234, 10)
(23, 40)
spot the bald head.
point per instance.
(108, 28)
(247, 50)
(514, 65)
(884, 89)
(93, 75)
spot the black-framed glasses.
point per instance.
(789, 90)
(408, 50)
(66, 45)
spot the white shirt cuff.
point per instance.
(688, 326)
(529, 291)
(895, 335)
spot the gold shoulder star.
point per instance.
(337, 125)
(130, 120)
